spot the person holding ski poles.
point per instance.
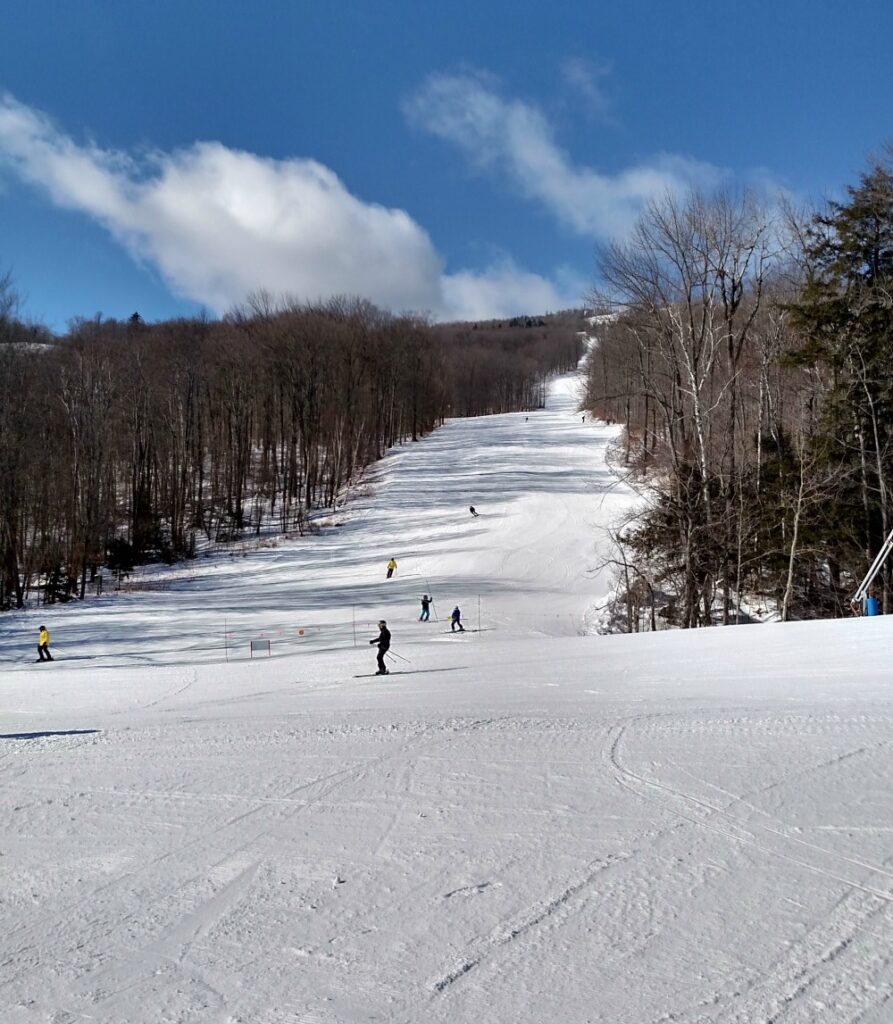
(456, 620)
(392, 565)
(426, 608)
(384, 642)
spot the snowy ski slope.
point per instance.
(525, 823)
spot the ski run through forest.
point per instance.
(524, 822)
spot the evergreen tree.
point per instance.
(845, 313)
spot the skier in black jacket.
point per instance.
(384, 642)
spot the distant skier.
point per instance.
(472, 511)
(43, 645)
(456, 621)
(392, 565)
(426, 608)
(384, 642)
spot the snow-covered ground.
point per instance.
(526, 823)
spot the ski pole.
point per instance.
(391, 654)
(433, 605)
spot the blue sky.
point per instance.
(460, 159)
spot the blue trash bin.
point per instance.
(872, 606)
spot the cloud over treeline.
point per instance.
(220, 223)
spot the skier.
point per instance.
(471, 510)
(456, 620)
(392, 565)
(384, 642)
(426, 608)
(43, 645)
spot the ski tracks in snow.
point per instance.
(139, 928)
(841, 962)
(701, 813)
(549, 911)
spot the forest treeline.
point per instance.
(127, 442)
(748, 350)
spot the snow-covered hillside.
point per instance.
(521, 823)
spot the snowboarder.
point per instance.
(384, 642)
(43, 645)
(456, 621)
(471, 510)
(426, 608)
(392, 565)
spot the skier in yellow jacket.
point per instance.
(43, 645)
(392, 565)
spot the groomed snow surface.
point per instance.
(525, 823)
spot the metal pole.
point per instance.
(874, 570)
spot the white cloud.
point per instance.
(514, 138)
(505, 290)
(221, 223)
(584, 77)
